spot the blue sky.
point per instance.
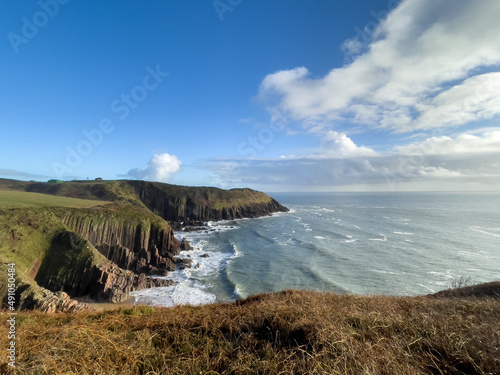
(273, 95)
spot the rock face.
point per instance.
(185, 245)
(181, 203)
(113, 284)
(74, 266)
(48, 302)
(140, 247)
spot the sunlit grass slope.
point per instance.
(12, 199)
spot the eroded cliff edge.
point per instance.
(103, 252)
(183, 203)
(111, 246)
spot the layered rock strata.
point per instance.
(139, 247)
(185, 204)
(49, 302)
(72, 265)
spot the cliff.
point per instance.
(103, 239)
(104, 252)
(131, 237)
(171, 202)
(182, 203)
(73, 265)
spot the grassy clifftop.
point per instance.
(172, 202)
(13, 199)
(294, 332)
(93, 190)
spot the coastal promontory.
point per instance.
(104, 239)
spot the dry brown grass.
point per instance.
(291, 332)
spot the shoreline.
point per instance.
(184, 291)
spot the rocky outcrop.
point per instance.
(181, 203)
(73, 265)
(31, 296)
(185, 245)
(185, 263)
(112, 284)
(49, 302)
(145, 261)
(141, 246)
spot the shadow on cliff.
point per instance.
(70, 266)
(74, 266)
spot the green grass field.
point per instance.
(10, 199)
(27, 223)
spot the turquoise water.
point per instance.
(362, 243)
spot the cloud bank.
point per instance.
(14, 174)
(467, 161)
(160, 168)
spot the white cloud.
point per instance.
(422, 69)
(160, 168)
(463, 162)
(340, 145)
(463, 144)
(429, 66)
(477, 98)
(335, 145)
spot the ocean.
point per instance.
(359, 243)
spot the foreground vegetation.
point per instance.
(293, 332)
